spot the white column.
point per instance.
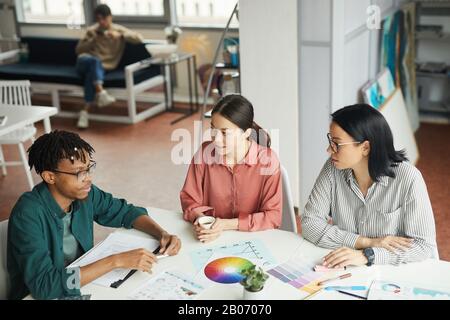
(269, 70)
(317, 73)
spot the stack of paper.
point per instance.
(115, 243)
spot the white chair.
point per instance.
(436, 254)
(4, 278)
(17, 93)
(288, 222)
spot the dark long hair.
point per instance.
(365, 123)
(238, 110)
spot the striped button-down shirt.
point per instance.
(397, 206)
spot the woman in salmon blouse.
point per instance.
(234, 178)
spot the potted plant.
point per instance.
(253, 283)
(172, 33)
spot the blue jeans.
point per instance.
(91, 71)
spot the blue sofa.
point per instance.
(51, 64)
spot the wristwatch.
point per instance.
(370, 255)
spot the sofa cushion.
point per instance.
(53, 60)
(133, 53)
(61, 51)
(55, 51)
(68, 75)
(40, 73)
(116, 78)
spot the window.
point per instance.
(205, 13)
(70, 12)
(136, 7)
(76, 13)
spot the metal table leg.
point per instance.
(191, 110)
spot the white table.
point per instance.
(282, 245)
(19, 116)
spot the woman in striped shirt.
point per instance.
(234, 178)
(368, 204)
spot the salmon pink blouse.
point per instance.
(250, 191)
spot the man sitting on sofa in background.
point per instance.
(98, 51)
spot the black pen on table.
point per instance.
(117, 283)
(352, 294)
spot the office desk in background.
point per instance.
(19, 117)
(167, 66)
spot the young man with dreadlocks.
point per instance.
(52, 225)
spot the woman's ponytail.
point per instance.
(239, 111)
(261, 135)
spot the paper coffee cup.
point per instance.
(206, 222)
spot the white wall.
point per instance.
(357, 54)
(338, 55)
(269, 68)
(315, 79)
(361, 47)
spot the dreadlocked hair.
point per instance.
(46, 152)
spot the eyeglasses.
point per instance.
(81, 175)
(335, 146)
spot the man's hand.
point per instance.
(170, 244)
(343, 257)
(113, 34)
(139, 259)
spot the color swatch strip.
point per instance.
(299, 275)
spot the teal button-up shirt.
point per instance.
(35, 257)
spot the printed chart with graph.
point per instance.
(253, 250)
(299, 274)
(168, 285)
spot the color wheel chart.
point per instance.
(253, 250)
(227, 270)
(298, 274)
